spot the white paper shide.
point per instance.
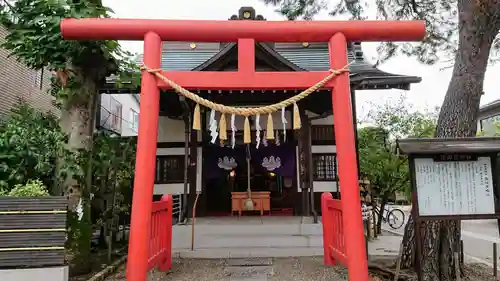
(454, 188)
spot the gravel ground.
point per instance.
(306, 269)
(285, 269)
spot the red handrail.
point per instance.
(333, 231)
(160, 238)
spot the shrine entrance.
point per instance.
(266, 173)
(245, 33)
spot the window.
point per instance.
(322, 135)
(38, 76)
(489, 126)
(134, 120)
(169, 169)
(325, 167)
(116, 115)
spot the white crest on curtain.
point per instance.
(283, 120)
(233, 131)
(212, 125)
(257, 130)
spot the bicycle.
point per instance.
(394, 217)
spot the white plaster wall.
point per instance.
(170, 130)
(129, 103)
(323, 186)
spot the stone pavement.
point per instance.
(249, 269)
(261, 237)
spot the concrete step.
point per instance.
(285, 229)
(247, 252)
(249, 240)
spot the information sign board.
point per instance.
(451, 188)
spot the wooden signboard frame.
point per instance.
(456, 150)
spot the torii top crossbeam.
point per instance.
(231, 31)
(242, 31)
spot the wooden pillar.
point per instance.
(193, 161)
(303, 166)
(355, 124)
(202, 200)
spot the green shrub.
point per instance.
(33, 188)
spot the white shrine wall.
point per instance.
(323, 186)
(172, 131)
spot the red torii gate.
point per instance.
(246, 33)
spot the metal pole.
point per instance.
(462, 251)
(495, 260)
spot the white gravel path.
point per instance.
(285, 269)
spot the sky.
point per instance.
(425, 95)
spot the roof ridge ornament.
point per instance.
(246, 13)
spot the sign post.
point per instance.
(452, 179)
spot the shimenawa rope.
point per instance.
(245, 111)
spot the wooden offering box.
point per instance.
(261, 201)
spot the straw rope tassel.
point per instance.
(196, 118)
(270, 127)
(247, 138)
(297, 123)
(223, 127)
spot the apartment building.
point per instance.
(21, 83)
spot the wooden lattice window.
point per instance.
(169, 169)
(325, 167)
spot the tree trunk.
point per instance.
(380, 216)
(478, 25)
(80, 128)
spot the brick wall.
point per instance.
(18, 81)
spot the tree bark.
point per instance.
(380, 215)
(478, 25)
(80, 127)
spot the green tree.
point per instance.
(379, 161)
(29, 142)
(464, 31)
(113, 171)
(81, 67)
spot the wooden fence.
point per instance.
(160, 240)
(333, 231)
(32, 231)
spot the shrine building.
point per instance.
(292, 170)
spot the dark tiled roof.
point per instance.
(182, 56)
(189, 56)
